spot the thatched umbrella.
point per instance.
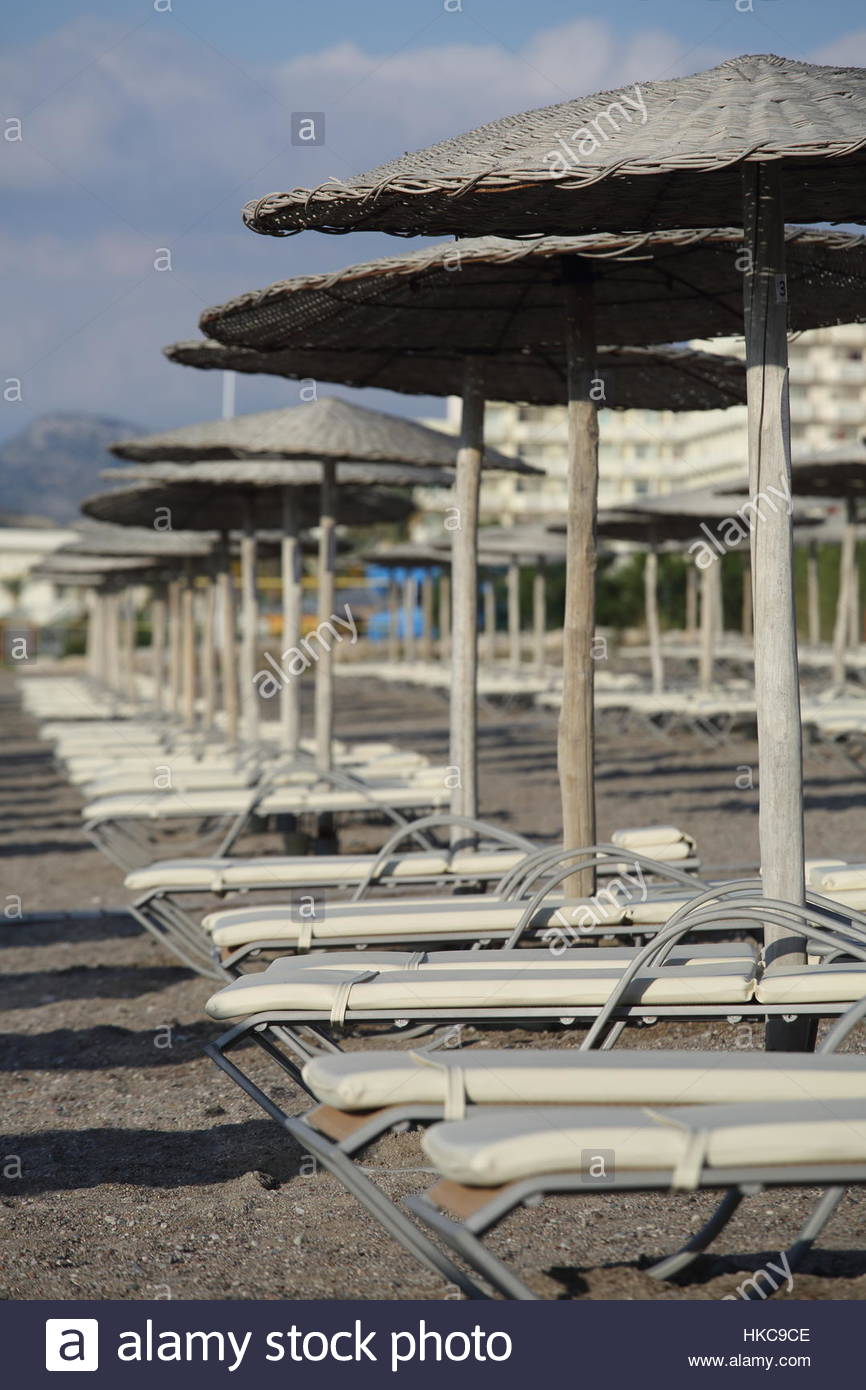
(495, 330)
(329, 430)
(411, 555)
(230, 495)
(104, 578)
(712, 524)
(413, 321)
(754, 133)
(515, 544)
(173, 550)
(326, 431)
(838, 473)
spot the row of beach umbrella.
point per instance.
(567, 269)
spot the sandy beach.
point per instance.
(145, 1174)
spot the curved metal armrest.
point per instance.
(417, 829)
(734, 906)
(523, 876)
(587, 858)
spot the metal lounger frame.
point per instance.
(278, 1035)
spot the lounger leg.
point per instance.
(355, 1182)
(810, 1230)
(675, 1264)
(472, 1250)
(188, 951)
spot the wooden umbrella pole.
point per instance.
(157, 647)
(249, 628)
(132, 638)
(490, 620)
(290, 564)
(464, 598)
(691, 600)
(324, 698)
(94, 623)
(855, 619)
(410, 604)
(115, 656)
(813, 594)
(746, 611)
(777, 685)
(576, 743)
(427, 617)
(847, 556)
(393, 620)
(105, 642)
(89, 633)
(444, 616)
(706, 664)
(228, 644)
(207, 650)
(539, 616)
(123, 679)
(651, 605)
(188, 646)
(173, 647)
(514, 613)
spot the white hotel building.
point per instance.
(646, 452)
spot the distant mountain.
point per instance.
(53, 464)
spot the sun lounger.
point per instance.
(499, 1160)
(360, 1096)
(637, 896)
(117, 825)
(162, 885)
(516, 908)
(513, 988)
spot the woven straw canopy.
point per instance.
(69, 563)
(327, 429)
(491, 299)
(217, 506)
(641, 377)
(675, 149)
(407, 556)
(832, 473)
(98, 538)
(267, 474)
(838, 472)
(513, 542)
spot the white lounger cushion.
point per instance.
(168, 805)
(499, 1076)
(536, 958)
(853, 897)
(832, 983)
(835, 877)
(399, 917)
(636, 837)
(656, 911)
(476, 991)
(664, 852)
(499, 1146)
(217, 874)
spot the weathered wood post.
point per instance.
(777, 687)
(576, 743)
(463, 755)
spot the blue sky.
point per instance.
(146, 124)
